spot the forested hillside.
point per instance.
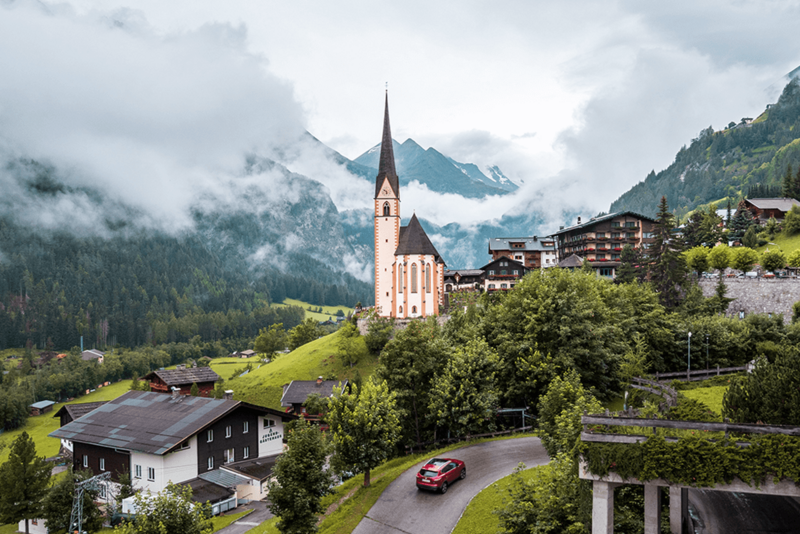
(725, 163)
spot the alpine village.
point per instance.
(635, 370)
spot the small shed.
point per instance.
(38, 408)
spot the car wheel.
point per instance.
(463, 474)
(444, 487)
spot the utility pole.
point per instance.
(707, 336)
(91, 484)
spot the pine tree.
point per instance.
(789, 187)
(24, 478)
(630, 266)
(667, 271)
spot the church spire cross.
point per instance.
(386, 168)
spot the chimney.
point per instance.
(319, 380)
(176, 392)
(228, 395)
(560, 227)
(579, 220)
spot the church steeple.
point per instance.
(386, 168)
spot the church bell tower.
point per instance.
(387, 221)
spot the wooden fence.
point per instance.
(669, 394)
(726, 427)
(700, 374)
(447, 441)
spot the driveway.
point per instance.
(260, 514)
(404, 509)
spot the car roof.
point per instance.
(438, 463)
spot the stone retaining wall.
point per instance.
(399, 324)
(758, 295)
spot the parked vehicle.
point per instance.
(439, 473)
(751, 274)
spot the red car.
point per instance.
(439, 473)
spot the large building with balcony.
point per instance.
(600, 239)
(533, 252)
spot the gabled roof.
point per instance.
(386, 167)
(206, 491)
(463, 272)
(782, 204)
(298, 390)
(76, 411)
(153, 423)
(511, 263)
(529, 243)
(178, 377)
(571, 261)
(414, 240)
(595, 220)
(92, 354)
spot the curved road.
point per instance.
(720, 512)
(404, 509)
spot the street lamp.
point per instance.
(689, 359)
(707, 336)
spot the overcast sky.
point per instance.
(580, 99)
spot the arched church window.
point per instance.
(413, 309)
(413, 277)
(428, 278)
(386, 209)
(400, 310)
(400, 278)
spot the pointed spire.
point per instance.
(386, 168)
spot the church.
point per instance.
(409, 272)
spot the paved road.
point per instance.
(260, 514)
(721, 512)
(404, 509)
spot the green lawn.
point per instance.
(38, 427)
(711, 396)
(328, 312)
(787, 244)
(221, 521)
(479, 516)
(264, 386)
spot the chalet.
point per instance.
(92, 354)
(164, 381)
(533, 252)
(764, 208)
(296, 392)
(502, 274)
(247, 353)
(71, 412)
(463, 280)
(571, 262)
(157, 438)
(600, 239)
(38, 408)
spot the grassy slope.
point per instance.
(328, 312)
(264, 386)
(787, 244)
(38, 427)
(710, 396)
(479, 516)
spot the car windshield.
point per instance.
(428, 473)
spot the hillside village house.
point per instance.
(463, 280)
(409, 272)
(159, 438)
(92, 354)
(296, 393)
(764, 208)
(502, 274)
(600, 239)
(67, 414)
(533, 252)
(164, 381)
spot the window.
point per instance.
(614, 234)
(228, 432)
(85, 461)
(245, 427)
(137, 471)
(210, 463)
(503, 272)
(601, 234)
(386, 209)
(151, 473)
(516, 272)
(399, 278)
(103, 491)
(630, 224)
(413, 309)
(246, 452)
(615, 256)
(601, 256)
(228, 455)
(503, 286)
(605, 271)
(491, 286)
(102, 464)
(491, 273)
(428, 278)
(615, 224)
(631, 234)
(413, 277)
(268, 423)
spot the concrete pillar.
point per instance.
(675, 510)
(652, 509)
(602, 507)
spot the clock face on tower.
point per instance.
(385, 191)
